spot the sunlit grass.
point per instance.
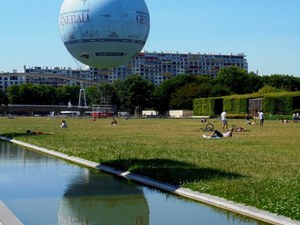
(260, 167)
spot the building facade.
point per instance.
(158, 67)
(153, 66)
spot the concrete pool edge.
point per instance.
(7, 217)
(248, 211)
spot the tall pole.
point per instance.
(82, 98)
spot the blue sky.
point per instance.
(266, 31)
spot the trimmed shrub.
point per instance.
(283, 103)
(238, 116)
(235, 105)
(205, 106)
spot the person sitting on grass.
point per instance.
(63, 124)
(114, 121)
(218, 134)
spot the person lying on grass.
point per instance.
(36, 132)
(218, 134)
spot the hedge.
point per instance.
(281, 102)
(284, 103)
(205, 106)
(235, 105)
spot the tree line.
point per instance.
(136, 93)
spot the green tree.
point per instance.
(134, 93)
(253, 83)
(218, 90)
(284, 82)
(234, 78)
(26, 94)
(268, 89)
(51, 94)
(43, 95)
(68, 94)
(163, 93)
(31, 94)
(107, 93)
(182, 97)
(3, 98)
(120, 91)
(92, 95)
(13, 94)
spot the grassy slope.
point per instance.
(260, 167)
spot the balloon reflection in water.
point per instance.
(97, 198)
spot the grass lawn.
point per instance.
(260, 167)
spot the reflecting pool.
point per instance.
(42, 190)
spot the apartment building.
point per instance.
(153, 66)
(158, 67)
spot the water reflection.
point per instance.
(93, 198)
(65, 194)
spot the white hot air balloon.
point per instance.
(104, 33)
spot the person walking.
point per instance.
(261, 118)
(224, 121)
